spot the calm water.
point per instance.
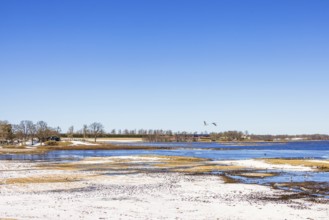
(215, 151)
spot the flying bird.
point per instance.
(206, 124)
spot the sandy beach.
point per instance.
(117, 188)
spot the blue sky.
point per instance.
(253, 65)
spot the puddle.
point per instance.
(313, 183)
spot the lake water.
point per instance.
(215, 151)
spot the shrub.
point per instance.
(51, 143)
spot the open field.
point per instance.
(114, 140)
(69, 146)
(143, 187)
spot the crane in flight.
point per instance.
(206, 124)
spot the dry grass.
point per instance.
(228, 179)
(171, 162)
(320, 165)
(144, 164)
(191, 164)
(258, 175)
(36, 150)
(101, 147)
(209, 168)
(95, 164)
(13, 147)
(89, 167)
(114, 139)
(64, 143)
(42, 179)
(66, 146)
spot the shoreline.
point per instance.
(121, 144)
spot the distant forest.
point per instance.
(28, 131)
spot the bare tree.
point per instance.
(22, 130)
(42, 131)
(58, 130)
(70, 132)
(32, 130)
(85, 131)
(96, 129)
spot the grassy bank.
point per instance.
(44, 149)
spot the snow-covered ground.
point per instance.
(259, 164)
(111, 194)
(74, 143)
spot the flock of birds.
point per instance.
(212, 123)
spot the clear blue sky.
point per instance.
(256, 65)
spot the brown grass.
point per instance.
(13, 147)
(190, 164)
(209, 168)
(89, 167)
(227, 179)
(320, 165)
(257, 175)
(36, 150)
(102, 147)
(66, 146)
(41, 179)
(162, 163)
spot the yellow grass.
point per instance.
(191, 164)
(320, 165)
(178, 162)
(142, 163)
(227, 179)
(209, 168)
(64, 143)
(261, 175)
(41, 179)
(86, 167)
(36, 150)
(66, 146)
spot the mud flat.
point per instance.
(142, 187)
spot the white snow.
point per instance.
(143, 196)
(74, 143)
(260, 164)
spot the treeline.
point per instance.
(24, 131)
(245, 136)
(311, 137)
(28, 131)
(168, 136)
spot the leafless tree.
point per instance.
(96, 129)
(42, 131)
(70, 132)
(22, 130)
(85, 131)
(32, 130)
(58, 129)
